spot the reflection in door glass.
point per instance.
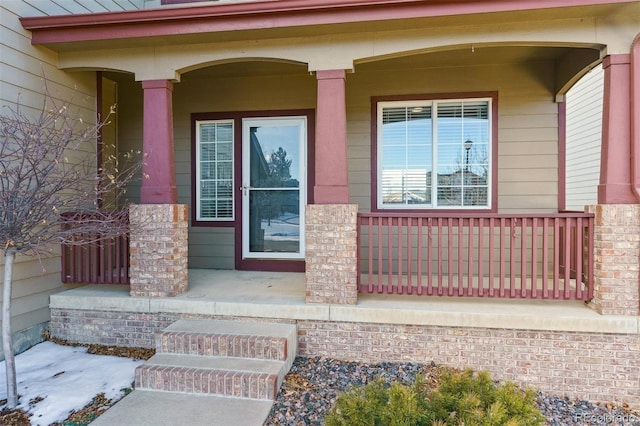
(275, 221)
(274, 200)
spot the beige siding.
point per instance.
(26, 73)
(527, 127)
(584, 135)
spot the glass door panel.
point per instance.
(273, 188)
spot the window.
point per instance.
(434, 154)
(214, 170)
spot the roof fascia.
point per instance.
(268, 14)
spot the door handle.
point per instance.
(244, 189)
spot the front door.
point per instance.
(273, 187)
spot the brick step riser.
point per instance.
(259, 347)
(212, 382)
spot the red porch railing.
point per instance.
(93, 259)
(488, 255)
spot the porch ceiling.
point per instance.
(571, 63)
(475, 55)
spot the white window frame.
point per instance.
(433, 103)
(198, 179)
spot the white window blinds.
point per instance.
(214, 170)
(450, 137)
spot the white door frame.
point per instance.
(246, 189)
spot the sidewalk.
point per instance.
(151, 408)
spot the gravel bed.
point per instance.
(313, 384)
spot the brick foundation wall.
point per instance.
(617, 259)
(593, 366)
(159, 250)
(331, 274)
(597, 367)
(128, 329)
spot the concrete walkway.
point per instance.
(150, 408)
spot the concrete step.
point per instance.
(226, 376)
(229, 338)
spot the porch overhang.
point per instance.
(192, 24)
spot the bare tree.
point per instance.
(51, 191)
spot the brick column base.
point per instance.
(159, 251)
(331, 253)
(617, 259)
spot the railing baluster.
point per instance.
(556, 258)
(389, 254)
(568, 224)
(534, 258)
(72, 262)
(81, 250)
(577, 255)
(460, 281)
(105, 255)
(419, 256)
(400, 246)
(379, 274)
(440, 286)
(491, 258)
(523, 257)
(590, 259)
(480, 277)
(470, 245)
(368, 222)
(65, 258)
(409, 257)
(545, 257)
(124, 242)
(450, 256)
(562, 239)
(502, 260)
(429, 257)
(512, 258)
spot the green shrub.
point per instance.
(379, 404)
(461, 398)
(474, 399)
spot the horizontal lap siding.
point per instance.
(584, 134)
(23, 70)
(33, 282)
(527, 126)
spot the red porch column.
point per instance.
(617, 215)
(159, 226)
(332, 184)
(635, 116)
(615, 162)
(331, 273)
(157, 141)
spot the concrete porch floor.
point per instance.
(282, 296)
